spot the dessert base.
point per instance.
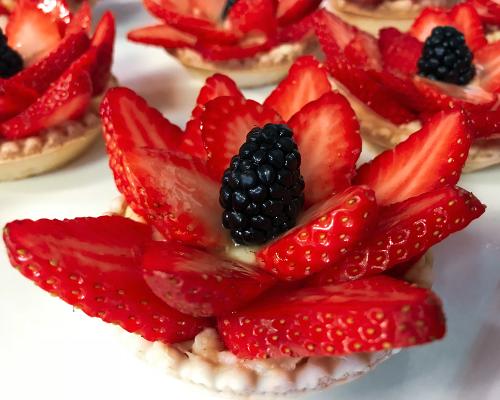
(381, 134)
(263, 69)
(52, 148)
(205, 362)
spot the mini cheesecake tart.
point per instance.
(51, 89)
(205, 361)
(244, 258)
(254, 43)
(372, 16)
(385, 78)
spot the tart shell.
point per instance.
(204, 361)
(263, 69)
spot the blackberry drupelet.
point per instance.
(227, 8)
(10, 60)
(262, 191)
(446, 57)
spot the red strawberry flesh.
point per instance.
(323, 235)
(404, 231)
(372, 314)
(94, 264)
(199, 283)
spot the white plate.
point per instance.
(47, 351)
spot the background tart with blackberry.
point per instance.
(253, 42)
(398, 80)
(53, 72)
(261, 259)
(373, 15)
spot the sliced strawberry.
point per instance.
(307, 80)
(325, 233)
(400, 51)
(488, 58)
(32, 32)
(162, 35)
(253, 16)
(484, 123)
(14, 98)
(238, 51)
(130, 123)
(405, 230)
(488, 10)
(445, 96)
(174, 193)
(199, 283)
(94, 264)
(226, 122)
(217, 85)
(66, 99)
(430, 158)
(463, 16)
(298, 30)
(81, 20)
(198, 19)
(468, 21)
(103, 41)
(39, 76)
(327, 134)
(429, 18)
(368, 315)
(363, 50)
(292, 11)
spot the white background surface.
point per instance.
(48, 351)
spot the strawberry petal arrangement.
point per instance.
(253, 42)
(249, 245)
(396, 81)
(53, 73)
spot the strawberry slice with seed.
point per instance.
(293, 11)
(367, 315)
(174, 193)
(429, 158)
(66, 99)
(103, 44)
(40, 75)
(488, 10)
(405, 230)
(468, 21)
(226, 123)
(323, 235)
(14, 98)
(95, 264)
(306, 81)
(488, 58)
(484, 123)
(329, 160)
(130, 123)
(429, 18)
(199, 283)
(81, 20)
(237, 51)
(298, 30)
(200, 19)
(253, 16)
(162, 35)
(400, 51)
(27, 23)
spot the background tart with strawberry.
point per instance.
(53, 72)
(261, 264)
(398, 80)
(253, 42)
(373, 15)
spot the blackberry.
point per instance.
(10, 60)
(446, 57)
(262, 190)
(227, 8)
